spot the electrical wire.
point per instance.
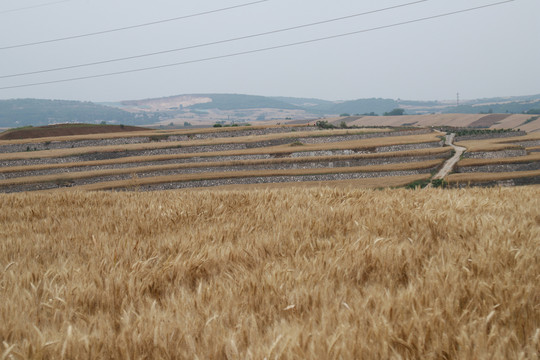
(261, 49)
(131, 26)
(210, 43)
(33, 6)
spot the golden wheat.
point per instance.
(279, 274)
(374, 182)
(475, 177)
(149, 132)
(162, 179)
(214, 175)
(509, 160)
(361, 144)
(495, 144)
(442, 151)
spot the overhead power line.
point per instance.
(131, 26)
(261, 49)
(33, 6)
(210, 43)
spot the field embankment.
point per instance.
(219, 157)
(292, 273)
(30, 132)
(175, 159)
(529, 123)
(499, 161)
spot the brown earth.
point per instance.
(66, 130)
(497, 121)
(489, 120)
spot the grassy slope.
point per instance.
(290, 274)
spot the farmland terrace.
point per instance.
(504, 161)
(263, 155)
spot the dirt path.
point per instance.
(450, 163)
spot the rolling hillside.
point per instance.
(36, 112)
(250, 155)
(206, 109)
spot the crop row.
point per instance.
(266, 158)
(499, 161)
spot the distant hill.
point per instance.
(236, 101)
(205, 109)
(361, 106)
(36, 112)
(501, 108)
(304, 102)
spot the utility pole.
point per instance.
(457, 99)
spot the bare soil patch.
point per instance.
(66, 130)
(488, 120)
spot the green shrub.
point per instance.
(323, 124)
(439, 183)
(158, 137)
(417, 184)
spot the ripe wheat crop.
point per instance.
(132, 134)
(315, 273)
(475, 177)
(496, 144)
(211, 175)
(442, 151)
(362, 143)
(533, 157)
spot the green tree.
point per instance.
(395, 112)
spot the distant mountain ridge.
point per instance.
(235, 107)
(517, 104)
(36, 112)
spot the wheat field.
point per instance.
(495, 144)
(318, 273)
(360, 144)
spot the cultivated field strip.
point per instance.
(495, 144)
(488, 178)
(225, 156)
(306, 135)
(241, 142)
(293, 156)
(163, 134)
(196, 163)
(171, 136)
(499, 161)
(368, 183)
(109, 179)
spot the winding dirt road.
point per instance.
(450, 163)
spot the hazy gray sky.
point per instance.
(489, 52)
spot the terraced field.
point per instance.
(499, 161)
(524, 122)
(221, 157)
(247, 156)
